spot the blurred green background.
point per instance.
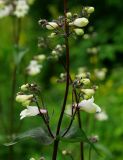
(106, 33)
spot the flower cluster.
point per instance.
(18, 8)
(86, 92)
(26, 99)
(5, 10)
(21, 8)
(57, 51)
(76, 23)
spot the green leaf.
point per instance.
(78, 135)
(39, 134)
(19, 54)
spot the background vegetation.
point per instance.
(107, 35)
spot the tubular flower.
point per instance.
(81, 22)
(89, 106)
(31, 111)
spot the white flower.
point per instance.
(34, 68)
(51, 25)
(78, 31)
(21, 8)
(100, 73)
(81, 22)
(89, 106)
(31, 111)
(5, 11)
(102, 116)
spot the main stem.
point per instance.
(16, 37)
(66, 30)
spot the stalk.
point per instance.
(66, 31)
(16, 37)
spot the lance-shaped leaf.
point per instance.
(19, 54)
(78, 135)
(38, 134)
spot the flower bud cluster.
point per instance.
(62, 78)
(75, 22)
(26, 97)
(57, 51)
(83, 83)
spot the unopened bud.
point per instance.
(32, 159)
(64, 152)
(54, 52)
(90, 10)
(85, 81)
(51, 25)
(81, 22)
(69, 14)
(24, 99)
(88, 92)
(52, 35)
(40, 57)
(78, 31)
(24, 87)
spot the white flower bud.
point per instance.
(24, 99)
(71, 24)
(78, 31)
(69, 14)
(88, 92)
(24, 87)
(52, 35)
(64, 152)
(51, 25)
(81, 22)
(85, 81)
(40, 57)
(54, 52)
(90, 10)
(32, 158)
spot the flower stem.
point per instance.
(66, 30)
(81, 143)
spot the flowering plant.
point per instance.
(80, 86)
